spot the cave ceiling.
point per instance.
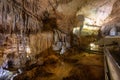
(62, 14)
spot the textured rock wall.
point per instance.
(40, 42)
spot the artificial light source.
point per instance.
(93, 46)
(76, 30)
(90, 27)
(28, 49)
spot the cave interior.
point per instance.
(56, 39)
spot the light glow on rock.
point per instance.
(28, 49)
(76, 30)
(89, 21)
(90, 27)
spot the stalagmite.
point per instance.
(63, 50)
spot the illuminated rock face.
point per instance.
(64, 12)
(5, 74)
(113, 31)
(97, 12)
(61, 42)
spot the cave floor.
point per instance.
(83, 66)
(78, 66)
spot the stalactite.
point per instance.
(4, 13)
(26, 23)
(17, 40)
(33, 6)
(26, 4)
(13, 18)
(14, 23)
(36, 8)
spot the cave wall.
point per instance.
(40, 42)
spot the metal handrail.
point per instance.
(113, 67)
(106, 69)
